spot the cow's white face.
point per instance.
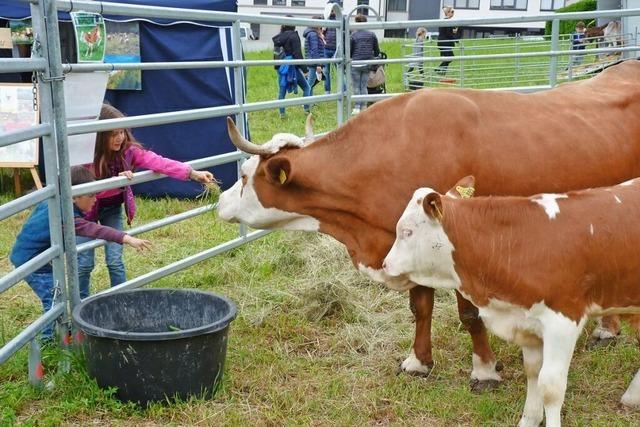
(240, 203)
(422, 251)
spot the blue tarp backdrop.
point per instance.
(172, 90)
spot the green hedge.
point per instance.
(567, 27)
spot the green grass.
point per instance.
(315, 343)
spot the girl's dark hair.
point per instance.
(81, 175)
(361, 18)
(103, 156)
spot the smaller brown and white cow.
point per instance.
(536, 267)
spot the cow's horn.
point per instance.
(308, 129)
(244, 144)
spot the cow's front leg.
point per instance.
(420, 361)
(559, 336)
(533, 406)
(606, 332)
(484, 375)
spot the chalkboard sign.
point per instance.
(16, 112)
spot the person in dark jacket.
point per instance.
(447, 36)
(35, 238)
(364, 45)
(295, 76)
(314, 49)
(329, 52)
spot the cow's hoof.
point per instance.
(483, 386)
(413, 366)
(597, 342)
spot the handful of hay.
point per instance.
(210, 192)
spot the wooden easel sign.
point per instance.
(16, 112)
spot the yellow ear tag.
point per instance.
(465, 192)
(283, 176)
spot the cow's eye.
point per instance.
(243, 177)
(406, 233)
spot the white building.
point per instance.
(400, 10)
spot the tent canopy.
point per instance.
(172, 90)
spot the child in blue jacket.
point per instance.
(35, 238)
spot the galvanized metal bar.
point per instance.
(146, 176)
(32, 132)
(432, 23)
(36, 369)
(25, 202)
(37, 262)
(348, 84)
(185, 263)
(108, 8)
(69, 285)
(553, 62)
(187, 115)
(181, 65)
(30, 332)
(21, 65)
(552, 53)
(340, 67)
(151, 226)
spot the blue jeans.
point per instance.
(359, 79)
(42, 285)
(327, 70)
(111, 216)
(302, 82)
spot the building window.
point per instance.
(397, 6)
(509, 4)
(551, 4)
(363, 11)
(462, 4)
(260, 2)
(279, 2)
(297, 3)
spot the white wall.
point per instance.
(485, 11)
(631, 24)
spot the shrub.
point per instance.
(567, 27)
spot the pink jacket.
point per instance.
(136, 157)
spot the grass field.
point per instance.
(315, 343)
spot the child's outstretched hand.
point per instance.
(203, 177)
(138, 244)
(128, 174)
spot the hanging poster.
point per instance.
(123, 45)
(21, 31)
(90, 36)
(16, 112)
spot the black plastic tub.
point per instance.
(156, 344)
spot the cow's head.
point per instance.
(422, 251)
(268, 170)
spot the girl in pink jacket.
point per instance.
(117, 153)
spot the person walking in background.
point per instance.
(117, 153)
(364, 45)
(447, 36)
(329, 52)
(314, 49)
(418, 66)
(291, 76)
(578, 42)
(35, 238)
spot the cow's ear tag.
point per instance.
(465, 192)
(283, 176)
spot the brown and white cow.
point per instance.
(536, 267)
(353, 182)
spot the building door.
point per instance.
(423, 9)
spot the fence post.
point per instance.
(51, 105)
(341, 38)
(553, 62)
(461, 44)
(346, 63)
(238, 77)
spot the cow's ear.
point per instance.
(279, 170)
(464, 188)
(432, 205)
